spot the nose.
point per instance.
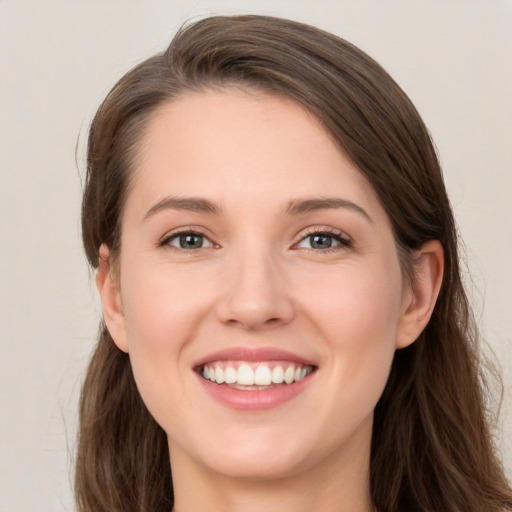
(255, 294)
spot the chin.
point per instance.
(263, 453)
(261, 465)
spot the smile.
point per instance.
(252, 376)
(254, 379)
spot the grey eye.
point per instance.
(319, 241)
(189, 241)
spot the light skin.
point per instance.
(288, 248)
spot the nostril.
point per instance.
(252, 305)
(253, 323)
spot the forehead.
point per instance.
(233, 144)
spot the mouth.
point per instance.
(254, 379)
(254, 375)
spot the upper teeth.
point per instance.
(255, 374)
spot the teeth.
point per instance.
(278, 375)
(245, 375)
(289, 374)
(263, 376)
(257, 374)
(219, 375)
(230, 375)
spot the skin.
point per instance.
(258, 282)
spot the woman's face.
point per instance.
(254, 251)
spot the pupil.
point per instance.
(191, 241)
(321, 242)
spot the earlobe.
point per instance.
(108, 287)
(423, 292)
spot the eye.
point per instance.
(187, 240)
(324, 240)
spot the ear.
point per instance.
(108, 286)
(421, 295)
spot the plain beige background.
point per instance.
(58, 59)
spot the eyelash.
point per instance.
(341, 238)
(166, 241)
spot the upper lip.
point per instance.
(253, 355)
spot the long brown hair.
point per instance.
(431, 446)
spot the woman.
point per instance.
(284, 320)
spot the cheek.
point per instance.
(362, 303)
(161, 317)
(359, 317)
(160, 307)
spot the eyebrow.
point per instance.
(191, 204)
(295, 207)
(299, 207)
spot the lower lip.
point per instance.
(254, 400)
